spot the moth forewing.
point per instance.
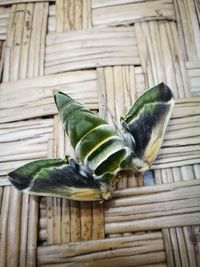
(146, 123)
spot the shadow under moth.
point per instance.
(105, 155)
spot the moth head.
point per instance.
(106, 191)
(139, 166)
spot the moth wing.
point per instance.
(144, 125)
(58, 178)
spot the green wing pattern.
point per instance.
(59, 178)
(145, 124)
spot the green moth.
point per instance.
(105, 155)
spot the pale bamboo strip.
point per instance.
(14, 231)
(153, 223)
(196, 168)
(188, 23)
(127, 13)
(193, 71)
(182, 247)
(69, 15)
(18, 27)
(4, 17)
(93, 48)
(24, 230)
(168, 247)
(51, 22)
(56, 216)
(150, 257)
(4, 181)
(140, 80)
(1, 197)
(50, 220)
(189, 246)
(39, 99)
(137, 212)
(153, 189)
(9, 42)
(117, 227)
(97, 221)
(60, 16)
(25, 43)
(24, 57)
(86, 220)
(158, 49)
(36, 50)
(83, 248)
(175, 247)
(42, 235)
(23, 141)
(66, 224)
(2, 54)
(86, 15)
(75, 221)
(32, 231)
(4, 226)
(42, 223)
(11, 2)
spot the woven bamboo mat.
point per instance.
(104, 54)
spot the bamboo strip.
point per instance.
(182, 247)
(24, 229)
(25, 45)
(93, 48)
(23, 141)
(86, 220)
(75, 221)
(69, 15)
(175, 247)
(168, 247)
(14, 231)
(2, 54)
(153, 223)
(188, 24)
(92, 247)
(37, 46)
(4, 17)
(135, 213)
(153, 189)
(120, 13)
(66, 224)
(97, 221)
(158, 49)
(87, 15)
(189, 246)
(119, 220)
(4, 226)
(11, 2)
(51, 22)
(32, 232)
(193, 71)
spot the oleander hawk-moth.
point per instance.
(105, 155)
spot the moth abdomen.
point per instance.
(95, 142)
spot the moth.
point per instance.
(105, 155)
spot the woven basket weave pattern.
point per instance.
(104, 54)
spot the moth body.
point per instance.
(96, 143)
(105, 156)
